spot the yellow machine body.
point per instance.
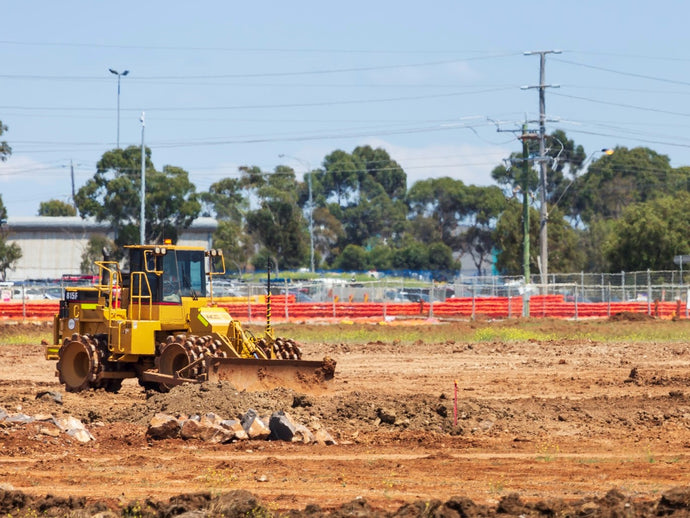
(158, 323)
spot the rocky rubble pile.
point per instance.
(280, 426)
(48, 425)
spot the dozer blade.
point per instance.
(251, 374)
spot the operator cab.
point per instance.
(170, 272)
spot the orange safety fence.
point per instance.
(282, 307)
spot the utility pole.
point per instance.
(543, 211)
(525, 204)
(525, 137)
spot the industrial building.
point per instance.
(53, 246)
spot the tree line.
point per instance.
(606, 213)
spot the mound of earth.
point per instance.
(630, 316)
(242, 503)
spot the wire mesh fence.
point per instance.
(328, 291)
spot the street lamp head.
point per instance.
(113, 71)
(125, 72)
(607, 151)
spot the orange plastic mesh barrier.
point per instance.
(551, 306)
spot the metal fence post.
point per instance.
(385, 298)
(576, 297)
(473, 302)
(608, 305)
(249, 303)
(287, 313)
(649, 293)
(582, 282)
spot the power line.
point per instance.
(261, 106)
(623, 73)
(324, 71)
(623, 105)
(637, 139)
(306, 50)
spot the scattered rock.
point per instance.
(321, 436)
(386, 415)
(303, 435)
(486, 425)
(163, 426)
(212, 428)
(19, 418)
(301, 401)
(49, 394)
(236, 428)
(205, 430)
(256, 429)
(80, 434)
(49, 425)
(51, 431)
(281, 426)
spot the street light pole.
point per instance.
(311, 225)
(142, 216)
(585, 164)
(119, 75)
(311, 208)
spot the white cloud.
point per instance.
(471, 164)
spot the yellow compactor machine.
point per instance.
(158, 323)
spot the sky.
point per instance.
(225, 84)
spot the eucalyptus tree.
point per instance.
(650, 234)
(113, 195)
(277, 224)
(56, 208)
(10, 253)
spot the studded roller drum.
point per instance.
(287, 349)
(180, 351)
(79, 363)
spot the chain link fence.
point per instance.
(643, 287)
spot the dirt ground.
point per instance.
(538, 428)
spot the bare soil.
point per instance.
(561, 427)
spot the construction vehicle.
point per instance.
(158, 323)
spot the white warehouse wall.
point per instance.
(53, 246)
